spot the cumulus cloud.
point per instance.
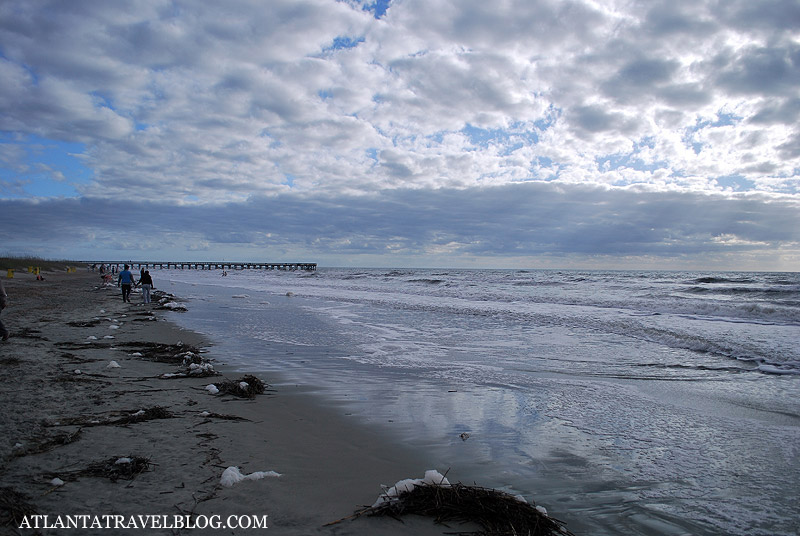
(300, 100)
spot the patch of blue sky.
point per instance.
(49, 168)
(343, 42)
(372, 154)
(289, 178)
(325, 94)
(101, 100)
(377, 8)
(723, 119)
(549, 119)
(274, 142)
(513, 137)
(737, 183)
(630, 161)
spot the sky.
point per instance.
(428, 133)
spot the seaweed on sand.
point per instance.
(124, 418)
(245, 387)
(49, 443)
(194, 366)
(14, 507)
(496, 512)
(149, 414)
(159, 352)
(126, 468)
(115, 468)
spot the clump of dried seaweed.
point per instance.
(49, 443)
(148, 414)
(245, 387)
(86, 323)
(162, 353)
(14, 507)
(169, 302)
(194, 366)
(125, 468)
(496, 512)
(123, 418)
(29, 333)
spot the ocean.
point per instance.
(625, 402)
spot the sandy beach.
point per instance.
(84, 395)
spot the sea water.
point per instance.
(626, 402)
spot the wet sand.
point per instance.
(63, 405)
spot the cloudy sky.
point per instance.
(530, 133)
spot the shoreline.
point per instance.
(58, 422)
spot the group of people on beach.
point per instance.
(127, 282)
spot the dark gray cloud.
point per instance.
(772, 70)
(773, 17)
(520, 220)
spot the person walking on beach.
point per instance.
(126, 281)
(147, 283)
(4, 334)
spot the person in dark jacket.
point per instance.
(147, 284)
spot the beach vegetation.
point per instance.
(21, 263)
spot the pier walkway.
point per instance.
(220, 265)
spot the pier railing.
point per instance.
(212, 265)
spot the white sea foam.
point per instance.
(627, 380)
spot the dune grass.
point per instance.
(46, 265)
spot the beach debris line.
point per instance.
(210, 415)
(160, 352)
(14, 507)
(232, 475)
(167, 301)
(497, 513)
(194, 365)
(47, 444)
(115, 468)
(121, 418)
(245, 387)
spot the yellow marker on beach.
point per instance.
(10, 274)
(30, 269)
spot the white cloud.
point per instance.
(199, 103)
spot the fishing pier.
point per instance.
(221, 265)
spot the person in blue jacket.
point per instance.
(126, 281)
